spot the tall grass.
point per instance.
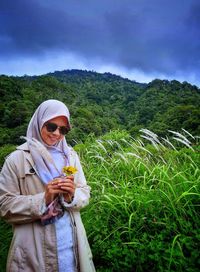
(144, 212)
(144, 209)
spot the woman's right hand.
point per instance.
(52, 190)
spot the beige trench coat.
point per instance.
(33, 247)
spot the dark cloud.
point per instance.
(153, 36)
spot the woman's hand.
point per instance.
(52, 190)
(64, 185)
(68, 188)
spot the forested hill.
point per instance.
(99, 103)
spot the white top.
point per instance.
(64, 231)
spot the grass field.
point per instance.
(144, 211)
(144, 208)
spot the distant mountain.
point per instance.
(74, 74)
(99, 103)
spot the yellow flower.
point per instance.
(69, 170)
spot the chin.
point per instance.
(53, 143)
(50, 142)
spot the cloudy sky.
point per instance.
(138, 39)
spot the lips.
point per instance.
(53, 139)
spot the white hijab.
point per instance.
(44, 163)
(48, 110)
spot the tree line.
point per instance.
(99, 103)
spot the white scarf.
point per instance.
(44, 163)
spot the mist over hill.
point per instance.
(99, 103)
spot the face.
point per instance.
(51, 138)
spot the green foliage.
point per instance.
(144, 210)
(99, 103)
(5, 150)
(15, 113)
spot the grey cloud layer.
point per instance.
(150, 35)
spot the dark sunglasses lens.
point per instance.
(64, 130)
(51, 127)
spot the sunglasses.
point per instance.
(51, 127)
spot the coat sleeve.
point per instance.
(82, 191)
(16, 208)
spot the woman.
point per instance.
(42, 204)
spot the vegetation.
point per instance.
(144, 209)
(99, 103)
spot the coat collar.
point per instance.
(28, 157)
(23, 147)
